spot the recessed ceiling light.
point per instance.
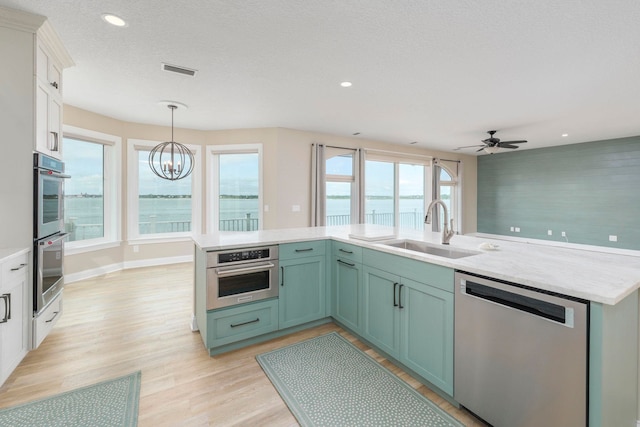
(356, 133)
(413, 142)
(346, 84)
(564, 135)
(114, 20)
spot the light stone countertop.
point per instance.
(6, 253)
(588, 274)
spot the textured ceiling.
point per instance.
(437, 72)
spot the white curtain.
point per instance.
(318, 185)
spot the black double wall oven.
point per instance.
(48, 233)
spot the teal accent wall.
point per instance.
(589, 190)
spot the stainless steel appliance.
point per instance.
(520, 354)
(49, 271)
(48, 230)
(48, 195)
(242, 275)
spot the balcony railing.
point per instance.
(412, 220)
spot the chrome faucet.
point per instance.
(446, 233)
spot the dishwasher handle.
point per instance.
(545, 309)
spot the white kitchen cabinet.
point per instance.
(37, 58)
(14, 279)
(48, 86)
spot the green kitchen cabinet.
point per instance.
(381, 310)
(408, 312)
(346, 286)
(426, 325)
(347, 279)
(302, 295)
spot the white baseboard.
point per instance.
(111, 268)
(94, 272)
(157, 261)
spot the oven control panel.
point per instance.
(248, 255)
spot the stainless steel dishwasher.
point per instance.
(520, 354)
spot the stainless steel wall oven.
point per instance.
(242, 275)
(48, 229)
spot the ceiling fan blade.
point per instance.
(467, 146)
(477, 151)
(522, 141)
(508, 146)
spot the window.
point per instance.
(396, 190)
(235, 179)
(447, 191)
(160, 208)
(341, 202)
(92, 193)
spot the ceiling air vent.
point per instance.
(179, 70)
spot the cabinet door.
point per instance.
(347, 279)
(13, 346)
(427, 332)
(381, 323)
(42, 119)
(302, 290)
(55, 121)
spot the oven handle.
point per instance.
(54, 174)
(52, 239)
(239, 271)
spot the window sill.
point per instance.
(154, 239)
(80, 247)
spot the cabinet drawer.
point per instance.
(14, 268)
(347, 252)
(43, 324)
(238, 323)
(302, 249)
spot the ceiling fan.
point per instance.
(492, 144)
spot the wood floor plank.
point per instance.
(139, 320)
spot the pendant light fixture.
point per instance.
(171, 160)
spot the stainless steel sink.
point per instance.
(427, 248)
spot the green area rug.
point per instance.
(326, 381)
(112, 403)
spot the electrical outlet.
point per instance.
(549, 232)
(613, 238)
(295, 208)
(266, 208)
(517, 229)
(513, 229)
(136, 248)
(563, 234)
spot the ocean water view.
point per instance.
(84, 215)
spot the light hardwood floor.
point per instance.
(139, 320)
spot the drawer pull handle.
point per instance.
(304, 250)
(55, 313)
(245, 323)
(7, 307)
(345, 251)
(18, 268)
(346, 263)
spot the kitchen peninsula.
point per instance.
(607, 282)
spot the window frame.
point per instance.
(112, 198)
(134, 146)
(396, 159)
(456, 190)
(213, 181)
(352, 179)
